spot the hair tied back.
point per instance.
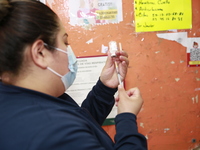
(4, 9)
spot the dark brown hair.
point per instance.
(21, 23)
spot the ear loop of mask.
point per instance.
(57, 50)
(54, 72)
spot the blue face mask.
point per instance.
(68, 78)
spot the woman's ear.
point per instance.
(39, 54)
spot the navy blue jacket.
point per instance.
(30, 120)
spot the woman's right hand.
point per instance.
(129, 101)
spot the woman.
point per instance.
(37, 66)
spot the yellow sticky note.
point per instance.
(160, 15)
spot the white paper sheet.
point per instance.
(180, 37)
(89, 70)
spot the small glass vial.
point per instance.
(113, 48)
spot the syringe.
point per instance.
(113, 49)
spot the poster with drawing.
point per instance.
(193, 52)
(95, 12)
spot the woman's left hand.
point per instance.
(109, 74)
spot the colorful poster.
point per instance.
(193, 52)
(160, 15)
(95, 12)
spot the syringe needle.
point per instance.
(120, 46)
(118, 75)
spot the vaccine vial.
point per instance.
(113, 48)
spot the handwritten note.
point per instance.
(159, 15)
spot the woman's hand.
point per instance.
(128, 101)
(109, 75)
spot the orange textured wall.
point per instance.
(170, 117)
